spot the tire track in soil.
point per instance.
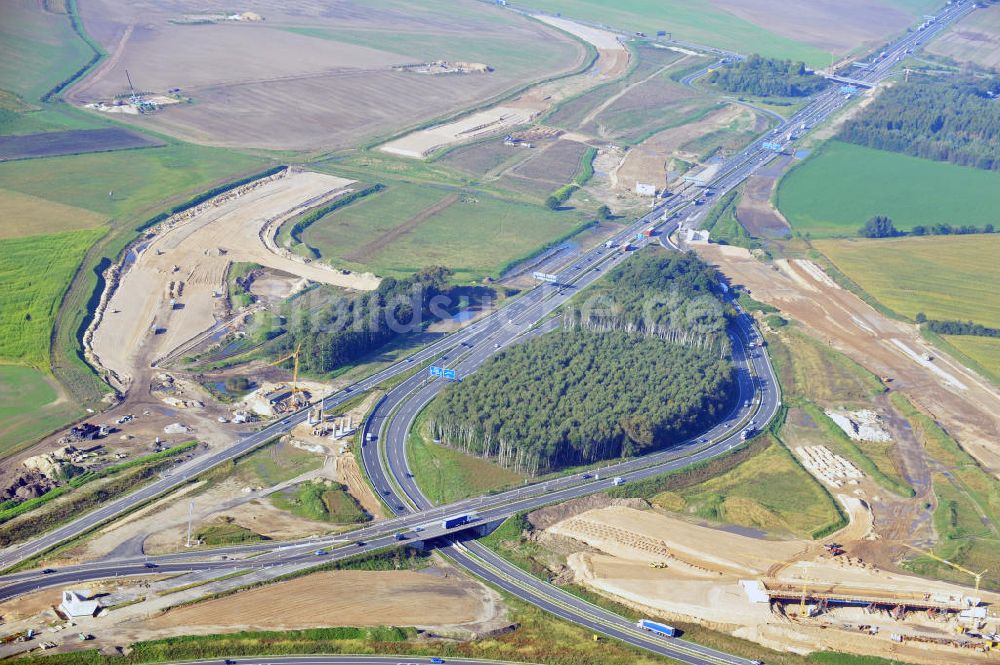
(369, 250)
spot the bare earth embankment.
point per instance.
(962, 401)
(186, 266)
(687, 571)
(612, 61)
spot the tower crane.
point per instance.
(295, 371)
(977, 576)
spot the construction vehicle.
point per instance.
(835, 549)
(977, 576)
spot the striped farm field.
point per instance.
(945, 277)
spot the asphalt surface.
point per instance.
(734, 172)
(341, 660)
(385, 459)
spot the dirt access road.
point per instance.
(612, 61)
(963, 402)
(188, 264)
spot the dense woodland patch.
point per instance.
(668, 295)
(767, 77)
(351, 326)
(955, 121)
(619, 383)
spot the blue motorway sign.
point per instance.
(435, 371)
(449, 374)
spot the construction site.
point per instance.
(797, 595)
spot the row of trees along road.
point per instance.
(607, 386)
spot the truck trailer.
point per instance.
(657, 627)
(457, 520)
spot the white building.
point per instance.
(643, 189)
(78, 604)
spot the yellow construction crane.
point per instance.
(295, 371)
(978, 576)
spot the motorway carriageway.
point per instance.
(531, 306)
(734, 172)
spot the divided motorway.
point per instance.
(465, 350)
(735, 170)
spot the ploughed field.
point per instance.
(50, 144)
(321, 75)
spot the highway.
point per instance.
(736, 169)
(385, 458)
(339, 660)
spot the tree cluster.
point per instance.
(642, 362)
(767, 77)
(956, 121)
(948, 229)
(666, 294)
(879, 226)
(349, 327)
(958, 327)
(580, 396)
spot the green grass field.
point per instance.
(137, 179)
(984, 350)
(945, 277)
(691, 21)
(37, 49)
(445, 475)
(29, 407)
(319, 501)
(34, 273)
(476, 235)
(275, 463)
(841, 185)
(770, 491)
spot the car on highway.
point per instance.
(150, 564)
(359, 543)
(48, 571)
(437, 661)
